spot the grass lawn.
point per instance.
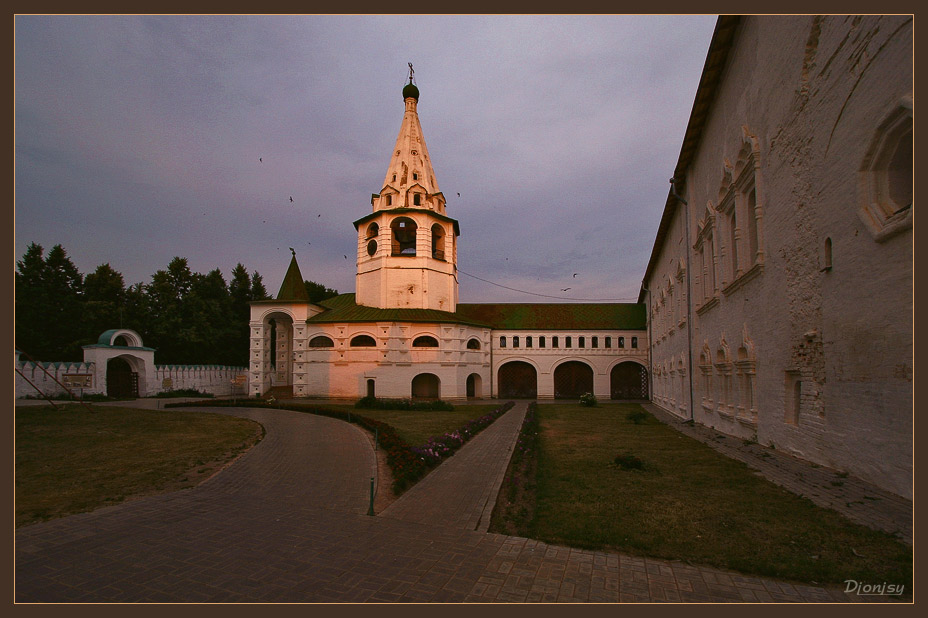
(71, 460)
(417, 426)
(690, 503)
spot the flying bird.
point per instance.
(317, 216)
(459, 195)
(346, 257)
(291, 198)
(260, 160)
(575, 275)
(564, 289)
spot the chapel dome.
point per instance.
(410, 90)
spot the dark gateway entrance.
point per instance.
(425, 386)
(517, 380)
(572, 379)
(629, 381)
(121, 381)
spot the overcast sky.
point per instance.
(138, 139)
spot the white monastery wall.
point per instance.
(538, 349)
(809, 104)
(666, 300)
(214, 379)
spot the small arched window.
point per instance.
(634, 342)
(528, 341)
(621, 342)
(404, 236)
(321, 341)
(390, 197)
(567, 342)
(373, 230)
(582, 342)
(515, 341)
(473, 344)
(425, 341)
(417, 199)
(827, 254)
(438, 242)
(363, 341)
(502, 341)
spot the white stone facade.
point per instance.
(402, 335)
(780, 295)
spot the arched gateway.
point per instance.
(629, 380)
(517, 380)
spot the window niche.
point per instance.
(363, 341)
(885, 178)
(425, 341)
(792, 397)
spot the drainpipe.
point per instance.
(689, 295)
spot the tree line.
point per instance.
(189, 318)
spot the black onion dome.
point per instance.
(410, 90)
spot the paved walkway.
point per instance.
(463, 495)
(285, 523)
(857, 500)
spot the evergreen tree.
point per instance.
(258, 292)
(318, 291)
(104, 302)
(49, 305)
(30, 304)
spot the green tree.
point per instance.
(31, 300)
(318, 292)
(49, 305)
(258, 291)
(104, 301)
(169, 329)
(208, 310)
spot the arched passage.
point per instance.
(426, 386)
(629, 380)
(121, 381)
(572, 379)
(474, 386)
(517, 380)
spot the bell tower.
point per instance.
(407, 247)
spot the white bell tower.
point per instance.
(407, 248)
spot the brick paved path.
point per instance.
(857, 500)
(463, 493)
(285, 523)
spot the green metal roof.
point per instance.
(557, 316)
(342, 308)
(293, 288)
(514, 316)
